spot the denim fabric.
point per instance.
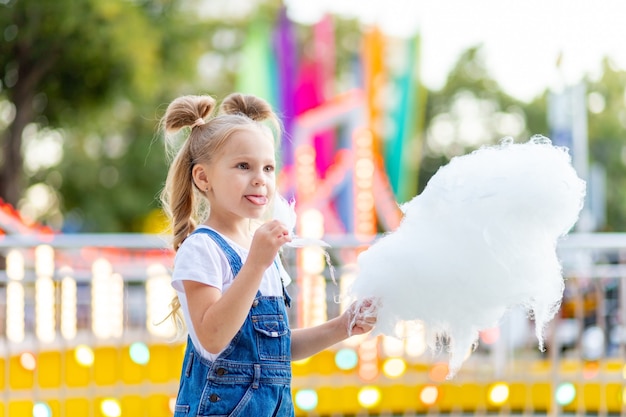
(252, 376)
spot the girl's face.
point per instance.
(242, 178)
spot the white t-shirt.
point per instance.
(200, 259)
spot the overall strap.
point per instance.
(282, 283)
(233, 259)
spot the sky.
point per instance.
(522, 39)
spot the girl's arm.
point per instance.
(309, 341)
(217, 317)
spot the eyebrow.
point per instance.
(248, 157)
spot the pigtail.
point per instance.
(179, 201)
(185, 111)
(253, 107)
(178, 196)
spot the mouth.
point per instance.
(259, 200)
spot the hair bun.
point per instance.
(252, 106)
(186, 110)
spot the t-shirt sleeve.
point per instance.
(199, 259)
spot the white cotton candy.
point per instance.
(480, 239)
(285, 212)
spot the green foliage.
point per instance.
(85, 52)
(607, 146)
(102, 71)
(606, 123)
(472, 97)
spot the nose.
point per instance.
(259, 179)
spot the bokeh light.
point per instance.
(139, 353)
(498, 393)
(346, 359)
(110, 407)
(84, 355)
(15, 265)
(591, 370)
(15, 322)
(28, 361)
(565, 393)
(394, 367)
(306, 399)
(439, 372)
(369, 396)
(429, 395)
(159, 293)
(69, 291)
(394, 346)
(368, 359)
(41, 410)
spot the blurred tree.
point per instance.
(472, 110)
(606, 97)
(83, 85)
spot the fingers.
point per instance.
(367, 307)
(366, 321)
(266, 242)
(278, 230)
(362, 326)
(371, 303)
(362, 315)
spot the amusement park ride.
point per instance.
(80, 332)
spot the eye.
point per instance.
(268, 168)
(243, 165)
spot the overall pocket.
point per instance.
(272, 337)
(225, 400)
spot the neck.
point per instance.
(240, 232)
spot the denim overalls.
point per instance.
(252, 376)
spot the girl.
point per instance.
(229, 280)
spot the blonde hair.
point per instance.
(185, 205)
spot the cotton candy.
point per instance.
(285, 212)
(480, 239)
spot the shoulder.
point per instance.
(197, 256)
(198, 241)
(205, 238)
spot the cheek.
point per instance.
(271, 183)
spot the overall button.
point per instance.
(255, 303)
(220, 371)
(214, 398)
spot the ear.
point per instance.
(200, 176)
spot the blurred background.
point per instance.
(375, 96)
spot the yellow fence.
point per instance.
(82, 371)
(62, 383)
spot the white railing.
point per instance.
(61, 291)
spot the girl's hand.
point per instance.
(361, 316)
(266, 242)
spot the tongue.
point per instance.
(257, 199)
